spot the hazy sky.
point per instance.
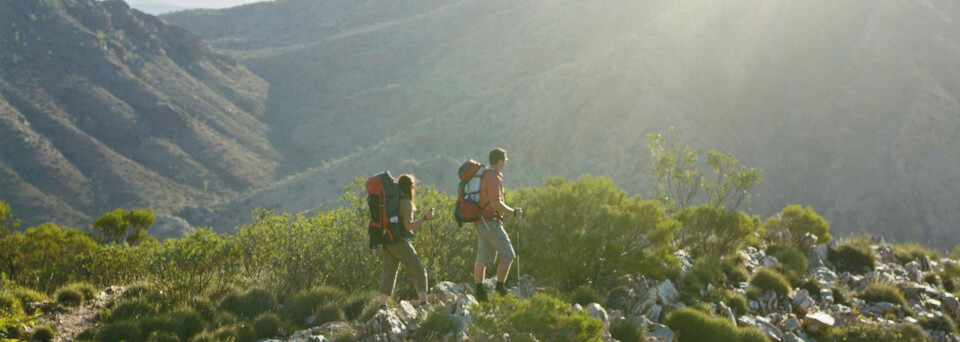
(190, 3)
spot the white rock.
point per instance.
(667, 293)
(661, 333)
(596, 311)
(818, 322)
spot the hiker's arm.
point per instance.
(412, 224)
(503, 208)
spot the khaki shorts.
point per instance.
(493, 240)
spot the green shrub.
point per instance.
(545, 317)
(579, 231)
(266, 325)
(240, 332)
(754, 293)
(939, 323)
(907, 252)
(88, 290)
(362, 306)
(44, 333)
(706, 270)
(89, 334)
(695, 325)
(69, 296)
(586, 295)
(880, 292)
(628, 331)
(120, 331)
(222, 319)
(840, 296)
(768, 279)
(751, 334)
(793, 263)
(150, 324)
(163, 336)
(799, 221)
(437, 325)
(876, 332)
(329, 312)
(851, 258)
(304, 303)
(130, 309)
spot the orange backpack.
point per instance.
(383, 198)
(467, 208)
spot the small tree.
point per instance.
(7, 223)
(681, 182)
(120, 225)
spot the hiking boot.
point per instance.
(501, 289)
(481, 293)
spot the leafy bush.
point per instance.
(628, 331)
(437, 325)
(545, 317)
(706, 270)
(590, 232)
(303, 304)
(695, 325)
(850, 258)
(585, 295)
(120, 331)
(202, 261)
(43, 257)
(266, 325)
(870, 332)
(939, 323)
(768, 279)
(907, 252)
(163, 336)
(122, 225)
(203, 306)
(799, 221)
(69, 296)
(793, 263)
(44, 333)
(881, 292)
(707, 230)
(9, 303)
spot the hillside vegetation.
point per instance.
(103, 106)
(849, 107)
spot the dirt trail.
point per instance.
(71, 321)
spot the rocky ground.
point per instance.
(71, 320)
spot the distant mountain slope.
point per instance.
(849, 107)
(102, 106)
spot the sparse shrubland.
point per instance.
(545, 317)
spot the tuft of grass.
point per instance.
(736, 302)
(27, 296)
(751, 334)
(904, 332)
(793, 263)
(852, 258)
(305, 303)
(586, 295)
(881, 292)
(44, 333)
(88, 290)
(9, 303)
(266, 325)
(69, 296)
(250, 304)
(732, 267)
(120, 331)
(139, 290)
(437, 325)
(768, 279)
(695, 325)
(907, 252)
(628, 331)
(185, 322)
(163, 336)
(89, 334)
(329, 312)
(940, 323)
(130, 309)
